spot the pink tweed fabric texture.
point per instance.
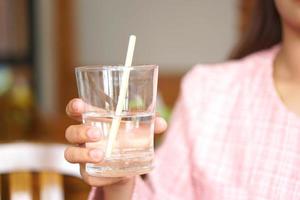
(230, 137)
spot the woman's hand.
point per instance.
(78, 135)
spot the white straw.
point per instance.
(121, 100)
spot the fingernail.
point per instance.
(93, 133)
(163, 124)
(76, 105)
(96, 154)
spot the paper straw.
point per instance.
(121, 100)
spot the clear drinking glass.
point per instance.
(132, 149)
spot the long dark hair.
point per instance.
(263, 31)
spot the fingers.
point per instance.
(78, 134)
(160, 125)
(83, 155)
(75, 108)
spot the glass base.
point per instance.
(122, 165)
(117, 172)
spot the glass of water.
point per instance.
(131, 150)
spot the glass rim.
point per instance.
(114, 67)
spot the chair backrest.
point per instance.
(19, 160)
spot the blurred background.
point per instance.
(41, 41)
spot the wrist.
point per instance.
(121, 190)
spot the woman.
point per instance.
(235, 131)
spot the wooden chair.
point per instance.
(19, 160)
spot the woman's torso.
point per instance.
(246, 144)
